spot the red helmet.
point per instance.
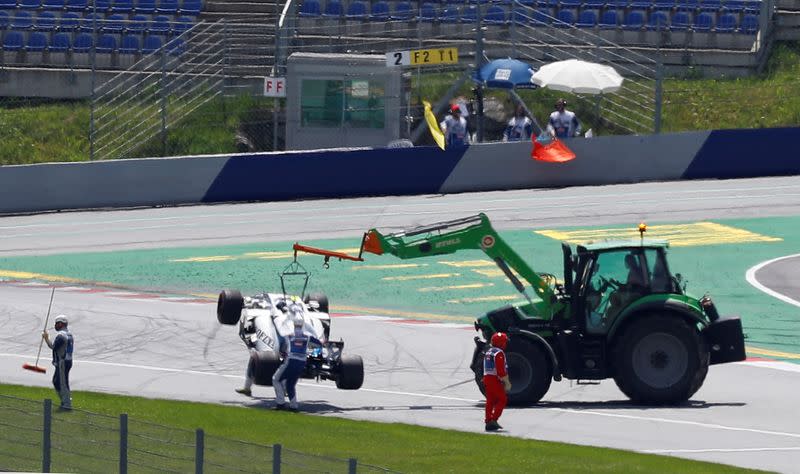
(455, 109)
(500, 339)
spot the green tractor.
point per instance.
(618, 312)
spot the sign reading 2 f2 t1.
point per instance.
(275, 86)
(422, 57)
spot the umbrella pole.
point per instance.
(479, 95)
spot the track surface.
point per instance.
(416, 373)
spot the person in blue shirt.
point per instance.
(62, 347)
(454, 128)
(520, 127)
(563, 123)
(295, 348)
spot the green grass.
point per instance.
(395, 446)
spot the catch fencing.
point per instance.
(35, 437)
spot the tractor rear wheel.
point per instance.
(529, 371)
(229, 306)
(660, 360)
(264, 365)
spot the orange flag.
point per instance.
(550, 149)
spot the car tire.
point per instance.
(351, 373)
(320, 298)
(265, 363)
(229, 307)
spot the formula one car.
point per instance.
(265, 319)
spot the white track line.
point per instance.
(751, 278)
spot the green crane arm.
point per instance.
(474, 232)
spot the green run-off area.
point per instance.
(712, 257)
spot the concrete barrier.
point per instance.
(395, 171)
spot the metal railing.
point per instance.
(34, 438)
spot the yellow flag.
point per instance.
(433, 125)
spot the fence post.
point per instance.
(352, 464)
(276, 459)
(123, 443)
(164, 94)
(199, 447)
(46, 430)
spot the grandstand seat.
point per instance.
(8, 4)
(182, 24)
(356, 11)
(161, 25)
(380, 12)
(520, 17)
(634, 20)
(640, 4)
(145, 6)
(428, 12)
(568, 4)
(752, 6)
(37, 41)
(727, 23)
(191, 7)
(130, 44)
(29, 4)
(564, 18)
(469, 14)
(45, 21)
(617, 5)
(69, 21)
(310, 8)
(151, 44)
(137, 24)
(14, 41)
(749, 24)
(609, 19)
(115, 23)
(22, 20)
(5, 20)
(403, 11)
(658, 21)
(495, 15)
(664, 5)
(176, 47)
(681, 20)
(449, 15)
(542, 17)
(710, 5)
(106, 44)
(100, 6)
(333, 9)
(593, 4)
(122, 6)
(587, 19)
(687, 5)
(76, 5)
(703, 22)
(83, 43)
(167, 7)
(55, 5)
(92, 21)
(61, 42)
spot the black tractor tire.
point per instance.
(264, 365)
(321, 300)
(351, 373)
(660, 360)
(229, 307)
(529, 369)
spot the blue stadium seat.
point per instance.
(29, 4)
(469, 14)
(101, 6)
(310, 8)
(54, 4)
(61, 42)
(587, 19)
(574, 4)
(727, 23)
(23, 20)
(610, 19)
(46, 21)
(687, 5)
(167, 7)
(640, 4)
(333, 9)
(8, 4)
(182, 24)
(83, 43)
(14, 41)
(88, 23)
(115, 23)
(617, 5)
(5, 20)
(106, 44)
(380, 12)
(37, 41)
(664, 5)
(145, 6)
(542, 17)
(76, 5)
(69, 21)
(634, 20)
(449, 15)
(710, 5)
(749, 24)
(520, 17)
(752, 6)
(403, 11)
(681, 20)
(191, 7)
(161, 25)
(151, 44)
(427, 12)
(495, 15)
(137, 24)
(122, 6)
(658, 21)
(176, 47)
(593, 4)
(356, 11)
(703, 22)
(130, 44)
(564, 18)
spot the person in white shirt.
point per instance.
(454, 128)
(563, 123)
(519, 127)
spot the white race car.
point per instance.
(263, 323)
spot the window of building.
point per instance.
(333, 103)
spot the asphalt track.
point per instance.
(416, 373)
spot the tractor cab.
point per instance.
(610, 276)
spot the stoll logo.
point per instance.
(447, 243)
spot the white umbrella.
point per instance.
(579, 77)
